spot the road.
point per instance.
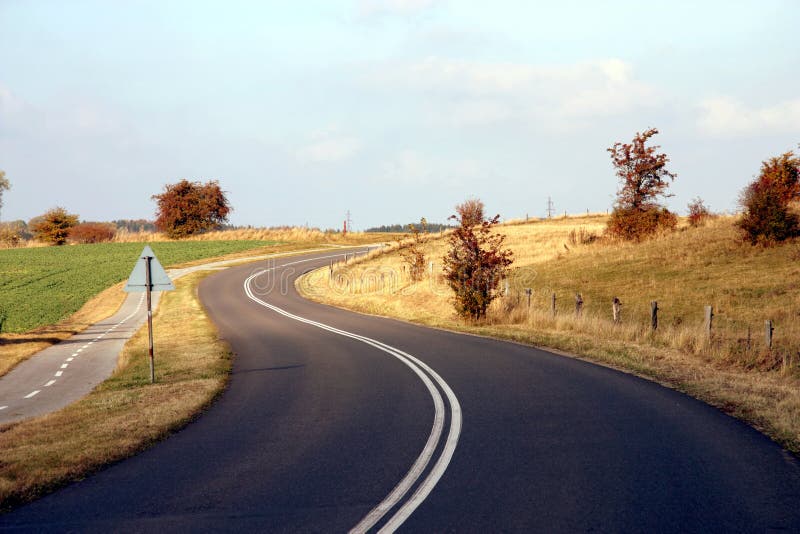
(335, 420)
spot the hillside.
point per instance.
(683, 271)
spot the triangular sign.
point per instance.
(159, 280)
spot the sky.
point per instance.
(391, 109)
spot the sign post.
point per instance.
(148, 275)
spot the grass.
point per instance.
(684, 271)
(42, 286)
(126, 413)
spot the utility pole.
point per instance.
(348, 223)
(549, 208)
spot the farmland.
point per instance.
(41, 286)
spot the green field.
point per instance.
(41, 286)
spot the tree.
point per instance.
(475, 262)
(92, 232)
(5, 185)
(412, 250)
(644, 178)
(53, 227)
(768, 217)
(188, 208)
(471, 211)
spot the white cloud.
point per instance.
(329, 149)
(725, 116)
(371, 8)
(410, 167)
(470, 92)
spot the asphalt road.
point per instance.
(426, 431)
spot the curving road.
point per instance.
(336, 421)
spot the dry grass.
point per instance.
(126, 413)
(287, 235)
(15, 348)
(683, 271)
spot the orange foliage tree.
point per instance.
(644, 178)
(187, 208)
(54, 226)
(92, 232)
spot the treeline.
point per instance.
(400, 228)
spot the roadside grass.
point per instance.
(294, 234)
(684, 271)
(125, 414)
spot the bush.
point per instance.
(92, 232)
(412, 250)
(698, 212)
(187, 208)
(767, 217)
(53, 227)
(634, 225)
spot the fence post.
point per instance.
(654, 314)
(578, 305)
(768, 329)
(709, 317)
(553, 304)
(615, 309)
(528, 292)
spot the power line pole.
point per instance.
(549, 208)
(348, 223)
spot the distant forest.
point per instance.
(400, 228)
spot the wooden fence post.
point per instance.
(528, 292)
(654, 314)
(768, 329)
(616, 306)
(709, 317)
(578, 305)
(553, 304)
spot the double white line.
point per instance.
(428, 377)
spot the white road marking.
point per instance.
(32, 394)
(419, 466)
(79, 350)
(50, 383)
(3, 407)
(74, 354)
(59, 373)
(64, 365)
(70, 359)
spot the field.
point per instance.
(41, 286)
(683, 271)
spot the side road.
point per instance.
(63, 373)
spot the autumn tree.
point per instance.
(767, 212)
(476, 260)
(412, 250)
(54, 226)
(187, 208)
(644, 180)
(92, 232)
(5, 185)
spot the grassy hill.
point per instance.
(683, 271)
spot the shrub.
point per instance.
(635, 225)
(412, 251)
(92, 232)
(767, 217)
(475, 262)
(53, 227)
(698, 212)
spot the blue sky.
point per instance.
(392, 109)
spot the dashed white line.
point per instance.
(70, 359)
(3, 407)
(32, 394)
(59, 373)
(64, 365)
(79, 350)
(50, 383)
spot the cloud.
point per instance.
(725, 116)
(376, 8)
(470, 92)
(413, 168)
(329, 149)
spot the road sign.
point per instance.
(148, 275)
(159, 280)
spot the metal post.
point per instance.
(553, 304)
(768, 329)
(528, 292)
(654, 315)
(148, 291)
